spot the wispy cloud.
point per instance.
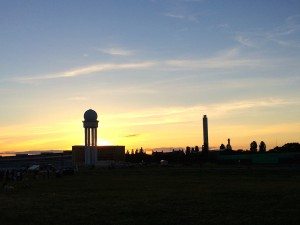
(282, 35)
(97, 68)
(132, 135)
(244, 41)
(250, 104)
(223, 26)
(117, 51)
(224, 60)
(177, 16)
(182, 115)
(183, 16)
(290, 26)
(182, 10)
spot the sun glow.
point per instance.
(103, 142)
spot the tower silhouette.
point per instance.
(205, 146)
(90, 125)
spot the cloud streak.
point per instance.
(225, 60)
(97, 68)
(181, 16)
(132, 135)
(182, 10)
(184, 115)
(281, 35)
(244, 41)
(117, 52)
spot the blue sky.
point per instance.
(148, 67)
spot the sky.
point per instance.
(151, 69)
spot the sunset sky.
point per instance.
(151, 69)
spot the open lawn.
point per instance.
(155, 195)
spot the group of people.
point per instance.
(11, 175)
(10, 178)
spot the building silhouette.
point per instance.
(90, 154)
(228, 146)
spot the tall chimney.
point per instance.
(205, 146)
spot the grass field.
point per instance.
(154, 195)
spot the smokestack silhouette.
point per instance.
(205, 146)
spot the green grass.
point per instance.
(154, 195)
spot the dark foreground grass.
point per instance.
(173, 195)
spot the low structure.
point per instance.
(114, 153)
(22, 161)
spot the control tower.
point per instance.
(90, 125)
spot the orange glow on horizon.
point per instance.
(174, 127)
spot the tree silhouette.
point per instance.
(253, 146)
(288, 147)
(141, 150)
(192, 150)
(222, 147)
(188, 150)
(262, 147)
